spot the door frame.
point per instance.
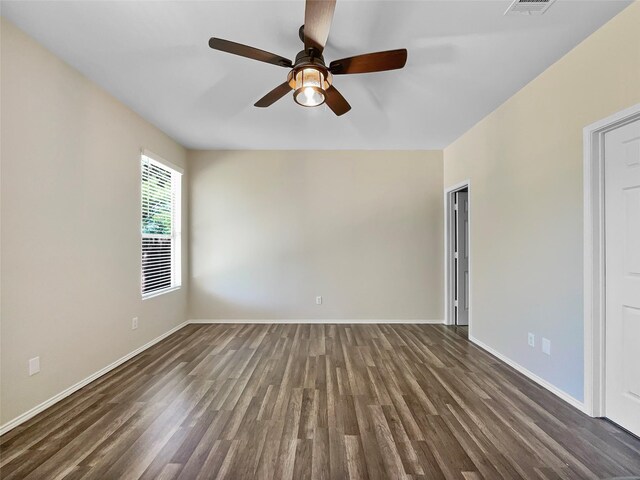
(594, 257)
(448, 251)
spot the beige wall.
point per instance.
(525, 164)
(70, 227)
(271, 230)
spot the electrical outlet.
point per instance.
(34, 365)
(531, 339)
(134, 323)
(546, 346)
(318, 300)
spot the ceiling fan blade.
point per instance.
(249, 52)
(274, 95)
(335, 101)
(318, 15)
(370, 62)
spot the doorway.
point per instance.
(612, 268)
(457, 255)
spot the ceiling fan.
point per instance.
(309, 77)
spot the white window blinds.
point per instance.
(161, 227)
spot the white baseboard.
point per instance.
(65, 393)
(527, 373)
(317, 321)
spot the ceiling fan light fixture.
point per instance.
(309, 76)
(309, 86)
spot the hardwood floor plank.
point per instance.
(401, 440)
(321, 402)
(202, 448)
(369, 440)
(355, 460)
(320, 455)
(386, 443)
(269, 455)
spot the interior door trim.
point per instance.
(594, 257)
(448, 205)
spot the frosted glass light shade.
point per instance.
(309, 90)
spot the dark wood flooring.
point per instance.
(320, 402)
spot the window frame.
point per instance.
(176, 223)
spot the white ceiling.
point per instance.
(465, 59)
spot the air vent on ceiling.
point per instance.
(528, 7)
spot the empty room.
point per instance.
(320, 239)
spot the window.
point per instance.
(161, 265)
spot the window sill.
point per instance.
(159, 292)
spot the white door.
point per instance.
(462, 258)
(622, 240)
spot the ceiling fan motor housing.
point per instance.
(310, 59)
